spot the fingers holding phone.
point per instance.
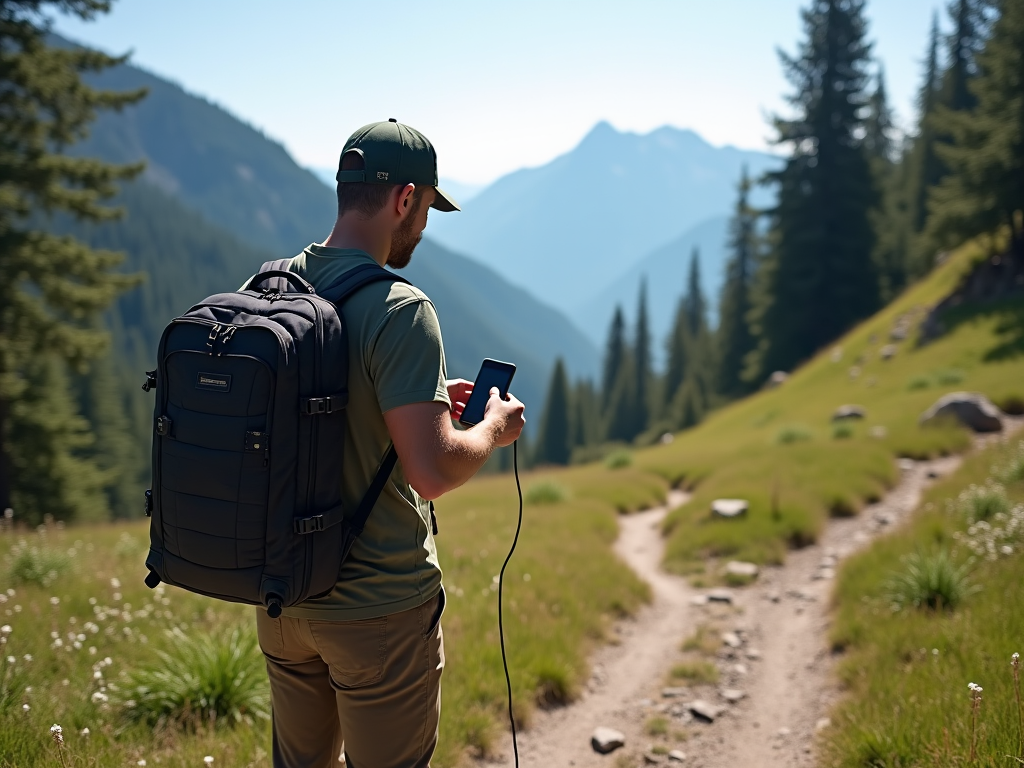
(512, 413)
(459, 391)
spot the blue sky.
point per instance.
(496, 86)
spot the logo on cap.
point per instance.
(382, 175)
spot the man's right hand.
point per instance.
(506, 416)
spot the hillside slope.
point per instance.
(665, 269)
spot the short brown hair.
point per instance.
(364, 197)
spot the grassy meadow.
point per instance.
(171, 678)
(924, 612)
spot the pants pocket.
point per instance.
(438, 612)
(355, 651)
(269, 632)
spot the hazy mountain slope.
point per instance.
(482, 315)
(666, 269)
(565, 229)
(213, 162)
(234, 197)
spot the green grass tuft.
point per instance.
(697, 672)
(1012, 470)
(619, 459)
(205, 679)
(932, 581)
(656, 726)
(983, 502)
(793, 433)
(842, 431)
(554, 686)
(36, 564)
(546, 492)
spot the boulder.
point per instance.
(704, 711)
(675, 756)
(733, 695)
(674, 692)
(732, 640)
(739, 568)
(971, 409)
(729, 508)
(607, 740)
(844, 412)
(720, 596)
(777, 379)
(888, 352)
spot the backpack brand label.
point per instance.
(217, 382)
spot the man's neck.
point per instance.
(359, 234)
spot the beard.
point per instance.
(403, 241)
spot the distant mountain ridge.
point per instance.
(243, 199)
(566, 229)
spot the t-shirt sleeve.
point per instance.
(406, 357)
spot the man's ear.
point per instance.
(404, 201)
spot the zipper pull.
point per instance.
(212, 338)
(225, 337)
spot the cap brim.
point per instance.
(444, 202)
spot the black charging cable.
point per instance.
(501, 584)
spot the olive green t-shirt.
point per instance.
(395, 358)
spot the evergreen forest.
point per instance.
(862, 211)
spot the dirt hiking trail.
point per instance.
(775, 683)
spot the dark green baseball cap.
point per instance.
(394, 153)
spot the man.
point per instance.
(359, 671)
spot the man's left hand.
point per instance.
(459, 391)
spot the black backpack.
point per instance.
(248, 444)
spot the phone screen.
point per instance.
(493, 373)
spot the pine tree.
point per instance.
(614, 357)
(735, 338)
(56, 285)
(678, 345)
(642, 365)
(985, 187)
(52, 478)
(878, 126)
(889, 219)
(621, 412)
(115, 449)
(553, 444)
(821, 278)
(694, 303)
(586, 415)
(970, 25)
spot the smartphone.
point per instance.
(493, 373)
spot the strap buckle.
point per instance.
(305, 525)
(315, 406)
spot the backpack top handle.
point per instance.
(290, 277)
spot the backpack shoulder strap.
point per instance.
(275, 283)
(354, 279)
(341, 289)
(358, 518)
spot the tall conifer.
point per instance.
(985, 187)
(642, 364)
(821, 278)
(735, 338)
(614, 357)
(554, 443)
(55, 285)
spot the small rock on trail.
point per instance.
(607, 740)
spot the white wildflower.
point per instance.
(208, 759)
(27, 657)
(54, 600)
(141, 762)
(57, 733)
(25, 707)
(115, 583)
(85, 732)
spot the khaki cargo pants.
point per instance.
(370, 689)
